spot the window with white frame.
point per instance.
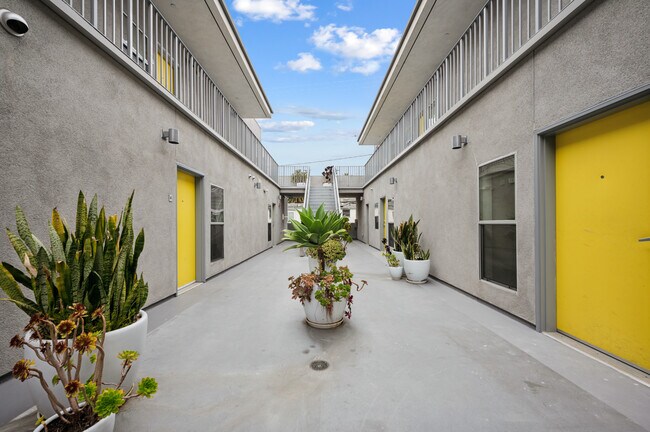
(376, 216)
(216, 223)
(390, 216)
(497, 223)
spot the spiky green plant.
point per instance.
(409, 240)
(95, 265)
(313, 230)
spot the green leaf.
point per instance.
(19, 246)
(13, 291)
(58, 252)
(109, 402)
(147, 387)
(82, 216)
(19, 276)
(24, 232)
(55, 380)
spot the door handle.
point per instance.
(645, 239)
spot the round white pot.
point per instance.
(400, 257)
(132, 337)
(106, 424)
(417, 271)
(395, 272)
(317, 315)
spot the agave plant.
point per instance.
(94, 265)
(313, 230)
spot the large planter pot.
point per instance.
(417, 271)
(106, 424)
(400, 257)
(395, 272)
(317, 315)
(132, 337)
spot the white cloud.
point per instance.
(285, 126)
(275, 10)
(345, 7)
(316, 113)
(355, 42)
(304, 63)
(361, 52)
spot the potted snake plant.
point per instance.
(394, 266)
(95, 264)
(416, 259)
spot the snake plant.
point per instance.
(95, 265)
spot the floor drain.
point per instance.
(319, 365)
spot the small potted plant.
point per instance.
(328, 176)
(325, 291)
(394, 266)
(334, 250)
(326, 296)
(91, 404)
(398, 238)
(299, 178)
(95, 264)
(416, 259)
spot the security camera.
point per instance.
(13, 23)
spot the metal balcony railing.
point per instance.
(350, 176)
(138, 29)
(293, 175)
(499, 31)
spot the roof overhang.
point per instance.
(206, 28)
(434, 28)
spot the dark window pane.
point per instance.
(270, 234)
(376, 222)
(391, 240)
(499, 254)
(216, 242)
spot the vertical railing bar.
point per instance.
(511, 31)
(104, 17)
(504, 30)
(150, 35)
(519, 22)
(137, 31)
(129, 21)
(548, 9)
(538, 15)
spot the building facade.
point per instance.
(544, 211)
(86, 95)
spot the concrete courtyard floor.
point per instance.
(234, 355)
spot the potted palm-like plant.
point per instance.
(325, 292)
(399, 237)
(87, 405)
(95, 265)
(299, 178)
(416, 259)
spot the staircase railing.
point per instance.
(335, 187)
(305, 202)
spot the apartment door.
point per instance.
(602, 234)
(186, 228)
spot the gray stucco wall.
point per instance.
(72, 119)
(598, 55)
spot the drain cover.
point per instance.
(319, 365)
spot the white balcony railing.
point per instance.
(138, 29)
(500, 30)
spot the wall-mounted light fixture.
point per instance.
(459, 142)
(13, 23)
(393, 180)
(171, 136)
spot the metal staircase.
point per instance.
(319, 194)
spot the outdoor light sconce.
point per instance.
(171, 136)
(393, 180)
(13, 23)
(459, 142)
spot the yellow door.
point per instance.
(186, 228)
(603, 210)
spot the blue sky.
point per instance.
(321, 64)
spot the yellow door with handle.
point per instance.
(602, 223)
(186, 228)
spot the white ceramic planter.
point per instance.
(132, 337)
(317, 315)
(417, 271)
(395, 272)
(106, 424)
(301, 184)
